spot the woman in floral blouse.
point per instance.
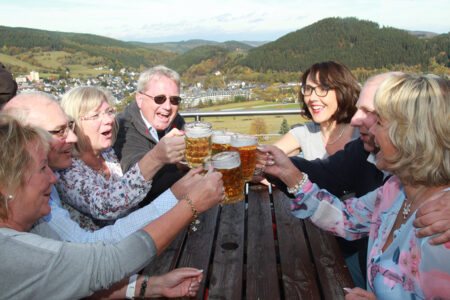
(94, 187)
(413, 134)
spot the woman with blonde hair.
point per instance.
(94, 188)
(413, 135)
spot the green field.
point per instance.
(48, 62)
(242, 123)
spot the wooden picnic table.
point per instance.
(256, 249)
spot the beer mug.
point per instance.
(220, 141)
(246, 146)
(206, 164)
(229, 164)
(198, 142)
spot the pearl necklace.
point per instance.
(340, 135)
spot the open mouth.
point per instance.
(107, 133)
(317, 108)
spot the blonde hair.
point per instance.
(15, 157)
(77, 103)
(417, 109)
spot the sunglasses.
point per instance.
(160, 99)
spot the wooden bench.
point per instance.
(256, 249)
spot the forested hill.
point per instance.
(184, 46)
(361, 45)
(358, 44)
(116, 53)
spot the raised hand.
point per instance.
(171, 148)
(275, 162)
(180, 187)
(208, 191)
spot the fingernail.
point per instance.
(270, 163)
(347, 290)
(260, 147)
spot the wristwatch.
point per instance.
(296, 188)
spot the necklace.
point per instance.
(407, 206)
(336, 139)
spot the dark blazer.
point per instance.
(134, 141)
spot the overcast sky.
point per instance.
(250, 20)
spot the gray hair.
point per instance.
(157, 72)
(21, 106)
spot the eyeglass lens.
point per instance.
(319, 90)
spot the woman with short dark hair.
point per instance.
(328, 98)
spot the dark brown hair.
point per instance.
(337, 76)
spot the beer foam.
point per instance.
(226, 160)
(221, 139)
(198, 129)
(243, 141)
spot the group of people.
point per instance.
(74, 174)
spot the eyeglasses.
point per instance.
(320, 90)
(64, 131)
(110, 112)
(160, 99)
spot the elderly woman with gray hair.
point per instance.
(413, 134)
(36, 264)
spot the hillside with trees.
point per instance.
(14, 41)
(364, 46)
(358, 44)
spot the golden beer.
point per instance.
(198, 142)
(229, 164)
(246, 146)
(220, 141)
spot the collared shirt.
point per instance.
(152, 130)
(59, 220)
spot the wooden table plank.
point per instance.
(298, 272)
(331, 268)
(198, 246)
(262, 275)
(227, 268)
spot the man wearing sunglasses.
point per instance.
(145, 121)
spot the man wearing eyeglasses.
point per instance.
(146, 120)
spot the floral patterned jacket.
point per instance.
(410, 268)
(98, 198)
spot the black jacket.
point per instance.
(134, 141)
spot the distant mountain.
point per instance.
(357, 44)
(113, 52)
(255, 43)
(177, 47)
(195, 56)
(423, 34)
(362, 45)
(184, 46)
